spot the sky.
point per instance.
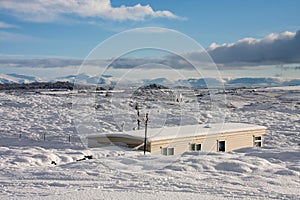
(237, 34)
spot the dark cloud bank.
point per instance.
(274, 49)
(281, 48)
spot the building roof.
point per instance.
(164, 133)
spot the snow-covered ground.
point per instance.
(38, 129)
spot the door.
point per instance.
(221, 146)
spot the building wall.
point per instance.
(179, 145)
(238, 141)
(209, 143)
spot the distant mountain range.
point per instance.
(17, 78)
(192, 82)
(86, 79)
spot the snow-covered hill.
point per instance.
(191, 82)
(25, 78)
(203, 82)
(248, 82)
(18, 78)
(5, 79)
(87, 79)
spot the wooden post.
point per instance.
(122, 126)
(145, 141)
(138, 120)
(138, 116)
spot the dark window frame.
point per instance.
(195, 147)
(257, 141)
(167, 151)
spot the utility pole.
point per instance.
(145, 141)
(138, 116)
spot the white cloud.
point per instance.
(275, 48)
(6, 25)
(49, 10)
(15, 37)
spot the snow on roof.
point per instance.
(164, 133)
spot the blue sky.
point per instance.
(206, 22)
(68, 29)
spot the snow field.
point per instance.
(271, 172)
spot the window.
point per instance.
(164, 151)
(167, 151)
(195, 147)
(257, 138)
(198, 147)
(257, 141)
(221, 145)
(170, 151)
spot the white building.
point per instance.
(178, 139)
